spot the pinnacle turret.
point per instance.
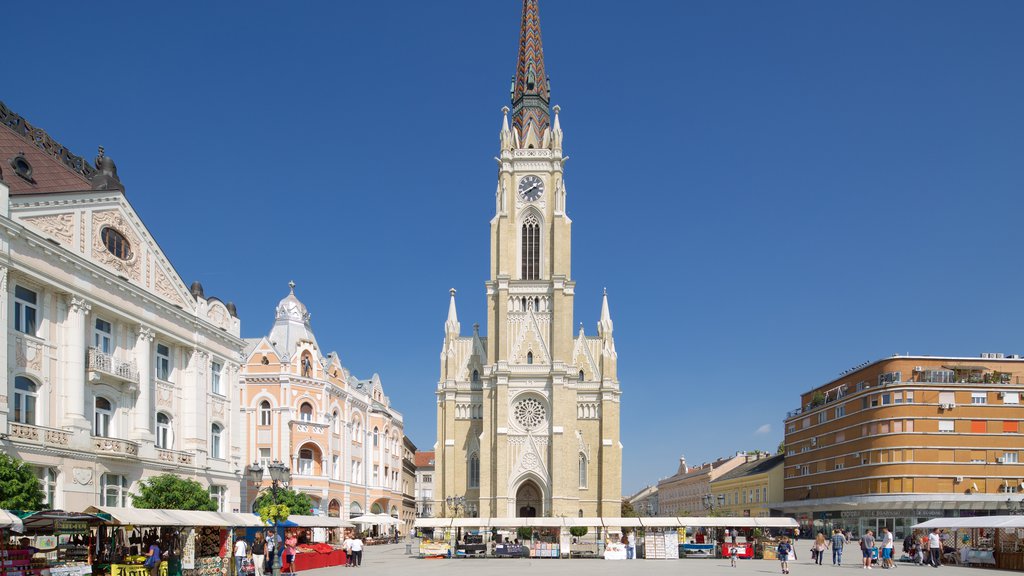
(451, 326)
(605, 326)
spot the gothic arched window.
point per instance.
(476, 375)
(583, 470)
(582, 375)
(474, 470)
(529, 357)
(531, 248)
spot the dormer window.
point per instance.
(22, 167)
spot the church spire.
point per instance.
(530, 92)
(605, 324)
(451, 326)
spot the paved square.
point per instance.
(392, 559)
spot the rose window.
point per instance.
(529, 413)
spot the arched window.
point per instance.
(306, 461)
(582, 375)
(163, 431)
(474, 470)
(26, 393)
(306, 412)
(531, 248)
(336, 422)
(387, 440)
(529, 357)
(476, 375)
(103, 413)
(265, 413)
(376, 437)
(215, 441)
(48, 482)
(583, 470)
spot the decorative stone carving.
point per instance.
(218, 316)
(79, 306)
(59, 226)
(28, 354)
(163, 286)
(529, 413)
(164, 397)
(146, 334)
(130, 267)
(82, 476)
(217, 408)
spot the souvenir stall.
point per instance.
(660, 538)
(586, 543)
(316, 541)
(53, 543)
(981, 540)
(471, 537)
(435, 537)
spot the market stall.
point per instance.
(50, 543)
(983, 540)
(583, 538)
(434, 534)
(316, 540)
(660, 538)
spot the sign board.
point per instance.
(71, 527)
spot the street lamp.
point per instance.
(279, 474)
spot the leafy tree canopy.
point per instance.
(19, 487)
(627, 509)
(169, 492)
(296, 502)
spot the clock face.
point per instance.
(530, 188)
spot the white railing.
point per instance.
(106, 363)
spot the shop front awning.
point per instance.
(318, 521)
(591, 522)
(145, 517)
(973, 522)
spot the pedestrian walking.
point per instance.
(153, 558)
(357, 551)
(783, 551)
(734, 553)
(346, 545)
(838, 541)
(631, 545)
(259, 553)
(935, 548)
(867, 547)
(241, 551)
(820, 545)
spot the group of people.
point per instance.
(923, 548)
(353, 546)
(259, 555)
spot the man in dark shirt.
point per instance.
(867, 545)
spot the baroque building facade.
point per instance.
(338, 434)
(115, 370)
(528, 415)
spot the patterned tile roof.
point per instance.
(54, 167)
(531, 93)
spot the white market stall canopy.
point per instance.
(974, 522)
(10, 521)
(628, 522)
(144, 517)
(377, 519)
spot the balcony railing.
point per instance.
(175, 457)
(115, 447)
(100, 361)
(38, 434)
(308, 427)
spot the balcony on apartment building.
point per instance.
(38, 435)
(102, 366)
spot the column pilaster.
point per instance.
(74, 363)
(144, 406)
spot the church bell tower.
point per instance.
(528, 415)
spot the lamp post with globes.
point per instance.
(279, 475)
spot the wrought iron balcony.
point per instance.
(101, 363)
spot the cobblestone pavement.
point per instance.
(392, 560)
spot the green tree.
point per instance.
(627, 509)
(782, 447)
(578, 531)
(169, 492)
(296, 502)
(19, 487)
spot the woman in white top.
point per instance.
(357, 551)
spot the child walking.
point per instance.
(783, 551)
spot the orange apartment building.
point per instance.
(906, 438)
(338, 434)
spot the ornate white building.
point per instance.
(116, 371)
(528, 415)
(339, 435)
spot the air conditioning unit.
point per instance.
(951, 406)
(958, 479)
(943, 406)
(918, 368)
(999, 460)
(814, 441)
(1002, 394)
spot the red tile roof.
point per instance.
(50, 173)
(424, 459)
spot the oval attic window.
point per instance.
(116, 243)
(22, 167)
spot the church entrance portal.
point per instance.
(528, 500)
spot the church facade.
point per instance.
(528, 414)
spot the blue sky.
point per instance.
(772, 192)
